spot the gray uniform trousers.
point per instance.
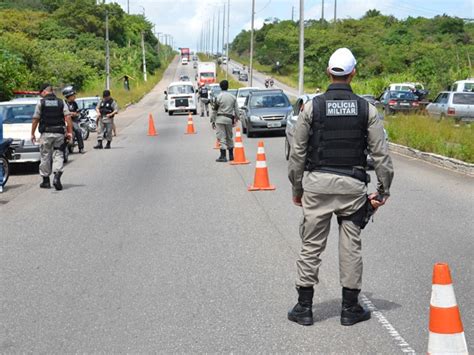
(105, 129)
(314, 230)
(204, 105)
(50, 144)
(224, 135)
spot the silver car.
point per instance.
(457, 105)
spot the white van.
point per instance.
(184, 61)
(463, 85)
(180, 97)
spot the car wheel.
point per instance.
(170, 113)
(195, 112)
(166, 110)
(250, 134)
(287, 149)
(6, 170)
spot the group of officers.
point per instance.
(57, 121)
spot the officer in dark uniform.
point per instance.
(327, 169)
(70, 94)
(203, 94)
(106, 111)
(51, 114)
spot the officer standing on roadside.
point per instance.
(327, 169)
(73, 107)
(224, 116)
(203, 94)
(106, 111)
(51, 114)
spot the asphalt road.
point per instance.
(154, 247)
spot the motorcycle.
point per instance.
(86, 123)
(269, 83)
(6, 154)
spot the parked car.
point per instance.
(235, 70)
(184, 78)
(242, 94)
(17, 120)
(463, 85)
(399, 101)
(195, 65)
(265, 110)
(180, 97)
(457, 105)
(243, 77)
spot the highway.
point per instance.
(154, 247)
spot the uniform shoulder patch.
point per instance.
(342, 108)
(51, 103)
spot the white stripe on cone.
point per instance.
(237, 134)
(447, 344)
(443, 296)
(238, 145)
(260, 150)
(261, 164)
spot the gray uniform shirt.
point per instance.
(37, 113)
(325, 183)
(225, 104)
(114, 107)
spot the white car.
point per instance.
(184, 61)
(180, 97)
(89, 103)
(17, 118)
(463, 85)
(242, 94)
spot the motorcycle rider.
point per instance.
(203, 95)
(70, 94)
(106, 110)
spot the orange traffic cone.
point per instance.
(217, 145)
(239, 152)
(261, 181)
(151, 126)
(446, 330)
(190, 129)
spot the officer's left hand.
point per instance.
(33, 139)
(69, 136)
(377, 200)
(297, 201)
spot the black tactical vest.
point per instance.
(52, 115)
(204, 93)
(106, 107)
(338, 135)
(72, 106)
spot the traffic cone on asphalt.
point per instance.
(239, 152)
(190, 129)
(151, 126)
(217, 145)
(446, 330)
(261, 180)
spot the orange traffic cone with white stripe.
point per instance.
(151, 126)
(446, 330)
(217, 145)
(261, 180)
(239, 152)
(190, 129)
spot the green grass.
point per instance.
(426, 134)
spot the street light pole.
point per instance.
(227, 46)
(212, 35)
(128, 7)
(223, 29)
(251, 43)
(144, 57)
(218, 29)
(107, 52)
(301, 61)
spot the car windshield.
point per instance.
(207, 75)
(87, 104)
(244, 93)
(404, 95)
(232, 91)
(13, 114)
(267, 101)
(463, 99)
(180, 89)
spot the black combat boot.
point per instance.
(207, 113)
(302, 313)
(99, 145)
(231, 154)
(107, 146)
(202, 114)
(46, 184)
(352, 311)
(57, 181)
(222, 158)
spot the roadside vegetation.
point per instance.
(41, 41)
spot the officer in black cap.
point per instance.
(106, 111)
(54, 119)
(327, 169)
(70, 94)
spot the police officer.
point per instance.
(70, 94)
(203, 94)
(51, 114)
(224, 116)
(106, 110)
(327, 169)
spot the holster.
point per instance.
(361, 217)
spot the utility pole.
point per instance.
(128, 7)
(322, 12)
(218, 29)
(227, 46)
(144, 57)
(335, 11)
(107, 52)
(212, 35)
(223, 29)
(301, 62)
(292, 13)
(251, 43)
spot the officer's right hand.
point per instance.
(33, 139)
(377, 200)
(297, 201)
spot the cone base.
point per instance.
(151, 135)
(190, 133)
(268, 188)
(239, 162)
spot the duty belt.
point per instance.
(228, 115)
(54, 129)
(355, 173)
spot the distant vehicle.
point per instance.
(89, 103)
(399, 101)
(417, 88)
(184, 61)
(233, 92)
(195, 58)
(195, 65)
(235, 71)
(264, 111)
(184, 78)
(206, 72)
(456, 105)
(224, 60)
(185, 53)
(214, 91)
(242, 94)
(180, 97)
(243, 77)
(17, 121)
(463, 85)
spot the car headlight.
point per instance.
(254, 118)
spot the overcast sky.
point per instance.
(183, 18)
